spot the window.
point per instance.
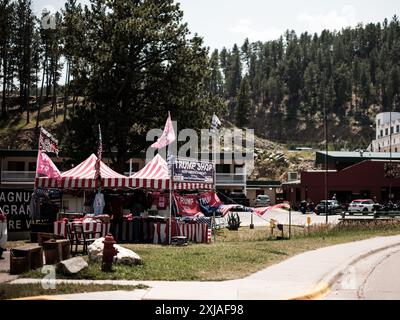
(397, 128)
(16, 166)
(381, 133)
(223, 168)
(386, 132)
(391, 130)
(135, 167)
(32, 166)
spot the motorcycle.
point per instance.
(303, 207)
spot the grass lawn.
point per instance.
(12, 291)
(236, 254)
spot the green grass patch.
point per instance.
(13, 291)
(236, 254)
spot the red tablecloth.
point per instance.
(103, 227)
(195, 232)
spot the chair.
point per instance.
(83, 237)
(70, 235)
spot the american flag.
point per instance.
(99, 155)
(47, 143)
(215, 124)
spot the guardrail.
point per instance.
(18, 176)
(231, 178)
(374, 214)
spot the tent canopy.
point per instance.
(83, 176)
(154, 175)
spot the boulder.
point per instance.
(124, 256)
(72, 266)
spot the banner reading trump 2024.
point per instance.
(15, 204)
(190, 170)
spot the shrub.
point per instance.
(233, 222)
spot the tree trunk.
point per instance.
(48, 79)
(3, 104)
(39, 105)
(37, 88)
(28, 85)
(66, 89)
(54, 100)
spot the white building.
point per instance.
(387, 127)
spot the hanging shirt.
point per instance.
(98, 204)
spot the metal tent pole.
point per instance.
(170, 200)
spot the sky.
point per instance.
(222, 23)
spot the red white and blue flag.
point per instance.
(47, 143)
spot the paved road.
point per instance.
(374, 278)
(293, 277)
(282, 216)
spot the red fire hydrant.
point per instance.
(108, 253)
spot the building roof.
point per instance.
(263, 184)
(290, 183)
(19, 153)
(355, 156)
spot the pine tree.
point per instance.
(137, 63)
(243, 104)
(234, 75)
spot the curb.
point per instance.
(326, 283)
(38, 298)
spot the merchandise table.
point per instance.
(156, 230)
(194, 232)
(60, 228)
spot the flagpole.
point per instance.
(215, 180)
(170, 199)
(167, 137)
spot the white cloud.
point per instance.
(247, 29)
(332, 20)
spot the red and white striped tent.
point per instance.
(83, 177)
(155, 175)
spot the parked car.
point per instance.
(361, 205)
(333, 206)
(263, 201)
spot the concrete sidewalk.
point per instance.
(305, 276)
